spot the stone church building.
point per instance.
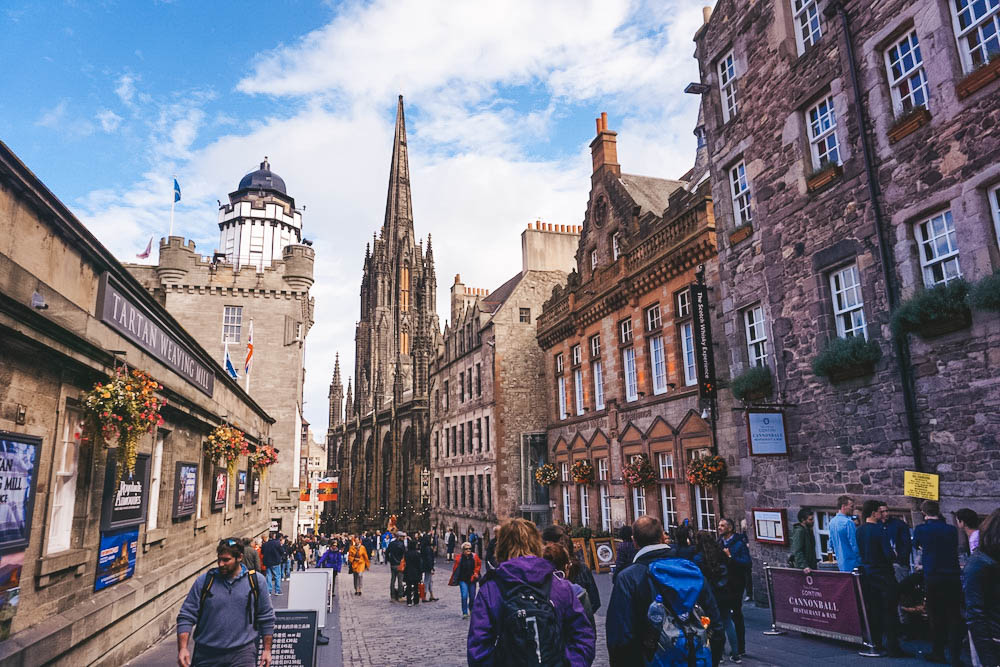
(381, 444)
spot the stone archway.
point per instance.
(386, 495)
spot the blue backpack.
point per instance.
(681, 641)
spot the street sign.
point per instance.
(704, 354)
(920, 485)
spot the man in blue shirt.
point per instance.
(844, 535)
(938, 544)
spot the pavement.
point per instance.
(370, 630)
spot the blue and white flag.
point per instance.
(177, 191)
(228, 364)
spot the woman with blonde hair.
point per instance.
(357, 561)
(524, 613)
(465, 574)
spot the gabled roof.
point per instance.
(492, 302)
(650, 194)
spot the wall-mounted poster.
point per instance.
(241, 487)
(254, 487)
(770, 525)
(125, 506)
(185, 489)
(766, 433)
(18, 474)
(220, 487)
(116, 557)
(604, 553)
(10, 590)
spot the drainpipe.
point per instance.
(901, 344)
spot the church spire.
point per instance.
(398, 211)
(336, 395)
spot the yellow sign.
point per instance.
(920, 485)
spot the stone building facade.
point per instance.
(312, 467)
(69, 314)
(619, 345)
(258, 281)
(485, 389)
(854, 165)
(382, 447)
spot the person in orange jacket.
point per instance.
(465, 574)
(357, 561)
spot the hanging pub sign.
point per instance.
(124, 506)
(185, 489)
(18, 474)
(220, 488)
(766, 432)
(704, 353)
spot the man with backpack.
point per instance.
(657, 574)
(272, 555)
(227, 608)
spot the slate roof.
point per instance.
(650, 194)
(492, 302)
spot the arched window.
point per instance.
(404, 288)
(404, 342)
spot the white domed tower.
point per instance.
(259, 220)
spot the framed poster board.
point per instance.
(580, 551)
(124, 506)
(116, 557)
(241, 487)
(766, 432)
(220, 488)
(770, 525)
(185, 489)
(604, 553)
(294, 641)
(254, 486)
(19, 456)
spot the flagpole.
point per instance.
(173, 200)
(249, 362)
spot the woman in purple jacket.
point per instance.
(491, 641)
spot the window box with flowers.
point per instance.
(934, 311)
(985, 294)
(822, 177)
(124, 409)
(639, 473)
(846, 358)
(546, 474)
(909, 123)
(752, 384)
(707, 471)
(979, 78)
(583, 472)
(228, 443)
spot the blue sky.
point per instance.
(104, 101)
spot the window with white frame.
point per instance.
(64, 478)
(668, 501)
(659, 364)
(684, 304)
(653, 319)
(232, 322)
(638, 502)
(821, 120)
(605, 507)
(756, 333)
(631, 384)
(625, 331)
(156, 475)
(577, 354)
(559, 363)
(595, 346)
(938, 249)
(821, 533)
(807, 28)
(665, 464)
(740, 188)
(687, 352)
(578, 382)
(598, 385)
(562, 398)
(616, 249)
(848, 303)
(593, 259)
(706, 508)
(602, 470)
(907, 78)
(567, 505)
(727, 86)
(584, 505)
(995, 207)
(977, 28)
(564, 472)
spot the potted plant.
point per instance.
(546, 474)
(985, 294)
(124, 409)
(823, 176)
(226, 442)
(934, 311)
(843, 358)
(639, 473)
(706, 471)
(583, 472)
(909, 122)
(581, 531)
(752, 384)
(262, 458)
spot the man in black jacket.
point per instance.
(273, 555)
(394, 555)
(630, 599)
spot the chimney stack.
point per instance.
(604, 148)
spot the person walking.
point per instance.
(358, 562)
(938, 544)
(632, 640)
(300, 558)
(715, 567)
(250, 556)
(525, 585)
(491, 550)
(383, 542)
(450, 541)
(394, 554)
(579, 573)
(804, 542)
(559, 557)
(273, 555)
(427, 558)
(226, 610)
(981, 584)
(286, 565)
(844, 535)
(465, 574)
(734, 546)
(878, 580)
(626, 552)
(413, 572)
(333, 559)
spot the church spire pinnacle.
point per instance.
(398, 210)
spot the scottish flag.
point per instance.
(228, 364)
(177, 191)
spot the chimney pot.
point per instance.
(706, 13)
(598, 120)
(604, 120)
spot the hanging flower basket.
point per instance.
(546, 474)
(262, 458)
(707, 471)
(583, 472)
(639, 473)
(123, 410)
(229, 443)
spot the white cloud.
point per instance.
(54, 117)
(125, 90)
(109, 120)
(60, 119)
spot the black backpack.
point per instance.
(530, 629)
